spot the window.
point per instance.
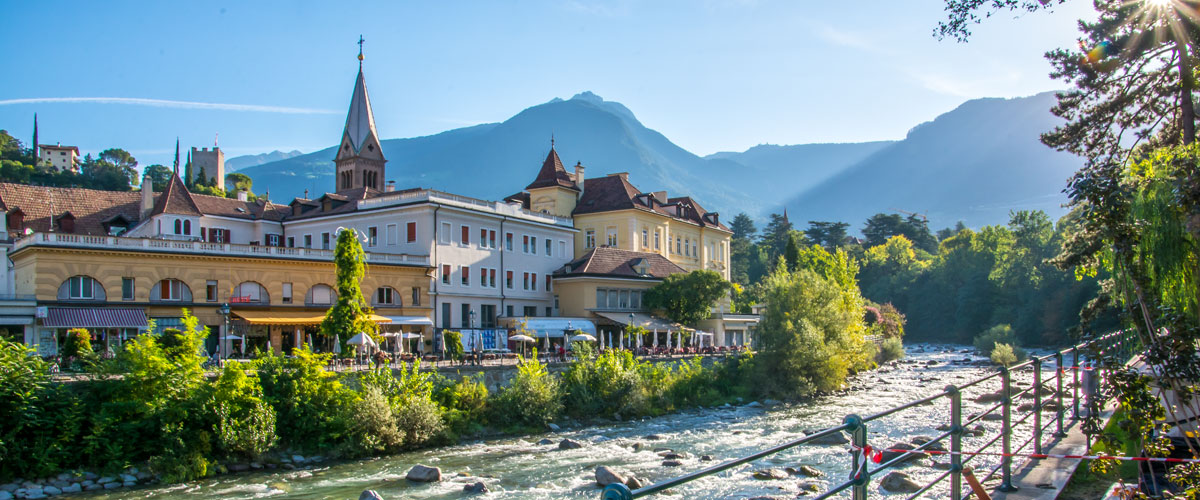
(272, 240)
(126, 288)
(372, 236)
(687, 248)
(324, 241)
(549, 311)
(386, 295)
(695, 250)
(287, 293)
(635, 299)
(466, 316)
(549, 246)
(82, 287)
(531, 311)
(487, 316)
(218, 235)
(187, 227)
(249, 292)
(656, 235)
(466, 275)
(308, 241)
(678, 245)
(525, 243)
(645, 238)
(525, 282)
(171, 290)
(533, 245)
(607, 298)
(445, 315)
(491, 239)
(601, 298)
(391, 234)
(482, 277)
(416, 296)
(445, 274)
(483, 241)
(320, 295)
(444, 238)
(623, 299)
(178, 226)
(612, 236)
(492, 278)
(508, 311)
(210, 291)
(465, 239)
(589, 238)
(533, 282)
(411, 227)
(508, 237)
(291, 242)
(508, 280)
(547, 282)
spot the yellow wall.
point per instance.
(41, 270)
(629, 224)
(553, 200)
(577, 296)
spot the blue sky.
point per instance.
(711, 75)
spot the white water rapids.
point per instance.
(518, 468)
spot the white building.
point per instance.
(59, 157)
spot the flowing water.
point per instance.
(519, 468)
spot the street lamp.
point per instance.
(630, 325)
(224, 310)
(471, 327)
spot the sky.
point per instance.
(711, 75)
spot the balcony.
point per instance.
(434, 196)
(202, 248)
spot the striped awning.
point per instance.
(94, 317)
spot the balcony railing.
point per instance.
(451, 199)
(203, 247)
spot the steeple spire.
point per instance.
(360, 161)
(360, 55)
(177, 156)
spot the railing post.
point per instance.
(956, 432)
(1075, 386)
(859, 471)
(1037, 405)
(1006, 430)
(1058, 395)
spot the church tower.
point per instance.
(360, 162)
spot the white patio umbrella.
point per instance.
(583, 337)
(408, 336)
(523, 339)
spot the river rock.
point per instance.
(370, 495)
(993, 417)
(6, 495)
(424, 474)
(606, 476)
(93, 487)
(933, 445)
(73, 488)
(128, 478)
(569, 444)
(477, 487)
(672, 463)
(681, 455)
(299, 459)
(706, 458)
(638, 446)
(634, 483)
(239, 467)
(991, 397)
(546, 441)
(808, 471)
(112, 486)
(835, 438)
(106, 480)
(9, 487)
(767, 474)
(652, 437)
(552, 426)
(754, 404)
(899, 482)
(889, 455)
(810, 486)
(52, 490)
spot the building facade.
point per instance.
(59, 157)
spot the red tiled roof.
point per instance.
(614, 192)
(552, 174)
(90, 207)
(175, 200)
(231, 207)
(615, 262)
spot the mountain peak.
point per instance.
(588, 96)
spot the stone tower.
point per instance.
(360, 162)
(213, 162)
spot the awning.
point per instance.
(551, 327)
(291, 317)
(16, 320)
(94, 317)
(410, 320)
(647, 321)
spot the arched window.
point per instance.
(178, 226)
(81, 288)
(187, 227)
(387, 296)
(171, 290)
(320, 295)
(249, 292)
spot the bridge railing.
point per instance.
(1028, 425)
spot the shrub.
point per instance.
(1006, 354)
(39, 421)
(987, 340)
(419, 420)
(464, 404)
(453, 343)
(78, 344)
(607, 384)
(695, 385)
(891, 348)
(244, 424)
(530, 400)
(376, 430)
(310, 403)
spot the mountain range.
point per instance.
(239, 162)
(974, 164)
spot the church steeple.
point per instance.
(360, 161)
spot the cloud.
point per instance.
(846, 39)
(165, 103)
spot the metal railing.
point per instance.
(1117, 345)
(435, 196)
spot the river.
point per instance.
(519, 468)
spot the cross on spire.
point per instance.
(360, 54)
(551, 140)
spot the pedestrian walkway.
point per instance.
(1044, 479)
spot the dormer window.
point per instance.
(641, 266)
(66, 222)
(16, 219)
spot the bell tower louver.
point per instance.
(359, 161)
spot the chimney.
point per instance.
(147, 196)
(661, 196)
(390, 187)
(243, 195)
(579, 175)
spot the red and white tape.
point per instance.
(876, 455)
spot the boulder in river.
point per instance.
(888, 455)
(545, 441)
(424, 474)
(606, 476)
(672, 463)
(808, 471)
(634, 483)
(370, 495)
(706, 458)
(767, 474)
(899, 482)
(569, 444)
(477, 487)
(552, 426)
(835, 438)
(652, 437)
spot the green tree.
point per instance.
(827, 234)
(880, 227)
(350, 315)
(159, 176)
(791, 253)
(775, 236)
(237, 181)
(687, 298)
(743, 227)
(119, 157)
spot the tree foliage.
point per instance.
(688, 298)
(350, 314)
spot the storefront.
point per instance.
(278, 331)
(109, 326)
